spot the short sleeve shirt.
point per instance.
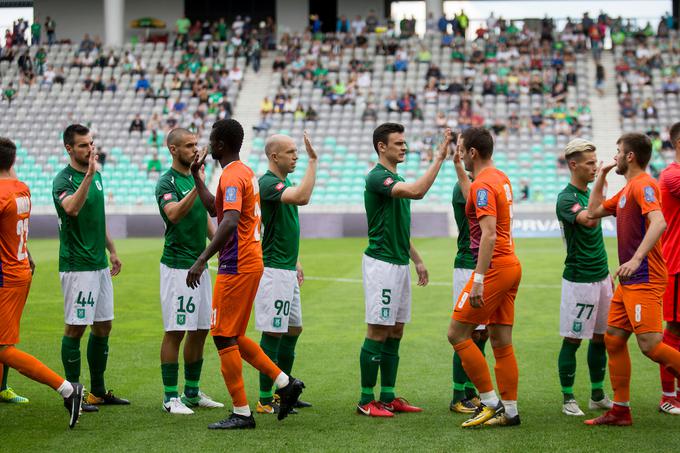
(82, 239)
(15, 209)
(586, 260)
(389, 218)
(631, 206)
(238, 190)
(184, 240)
(280, 224)
(669, 184)
(464, 257)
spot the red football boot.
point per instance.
(618, 416)
(374, 409)
(400, 405)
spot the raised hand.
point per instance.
(443, 151)
(92, 163)
(311, 152)
(604, 169)
(199, 160)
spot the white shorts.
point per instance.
(88, 296)
(277, 302)
(460, 279)
(584, 308)
(185, 308)
(387, 292)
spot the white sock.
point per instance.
(669, 394)
(624, 403)
(281, 380)
(242, 410)
(65, 389)
(510, 408)
(489, 399)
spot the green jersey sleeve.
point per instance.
(271, 188)
(165, 192)
(568, 208)
(62, 187)
(380, 183)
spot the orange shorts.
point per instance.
(637, 308)
(500, 289)
(232, 301)
(12, 301)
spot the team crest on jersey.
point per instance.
(230, 194)
(482, 198)
(280, 186)
(167, 196)
(388, 181)
(649, 194)
(99, 185)
(622, 201)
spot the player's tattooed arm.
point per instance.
(656, 227)
(301, 194)
(595, 208)
(116, 265)
(72, 204)
(421, 270)
(463, 177)
(204, 194)
(225, 230)
(417, 190)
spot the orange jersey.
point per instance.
(630, 206)
(15, 209)
(239, 191)
(491, 195)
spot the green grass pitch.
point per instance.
(327, 360)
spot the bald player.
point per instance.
(186, 311)
(278, 314)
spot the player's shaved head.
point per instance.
(276, 143)
(176, 136)
(8, 153)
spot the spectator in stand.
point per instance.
(310, 114)
(401, 61)
(36, 29)
(142, 84)
(628, 109)
(266, 107)
(112, 86)
(488, 87)
(263, 125)
(342, 25)
(50, 29)
(443, 24)
(559, 92)
(154, 166)
(649, 109)
(433, 71)
(137, 124)
(9, 93)
(599, 79)
(371, 21)
(299, 114)
(670, 86)
(98, 85)
(537, 120)
(440, 120)
(236, 75)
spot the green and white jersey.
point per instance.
(586, 260)
(281, 239)
(464, 258)
(389, 219)
(184, 240)
(82, 239)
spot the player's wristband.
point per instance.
(478, 278)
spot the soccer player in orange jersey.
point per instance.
(237, 207)
(489, 296)
(16, 272)
(669, 184)
(636, 305)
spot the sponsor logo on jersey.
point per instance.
(280, 186)
(388, 181)
(184, 192)
(576, 208)
(622, 201)
(63, 194)
(230, 194)
(649, 194)
(482, 198)
(167, 196)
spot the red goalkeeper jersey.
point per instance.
(669, 183)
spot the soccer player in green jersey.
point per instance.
(587, 287)
(185, 310)
(278, 314)
(465, 398)
(385, 266)
(83, 269)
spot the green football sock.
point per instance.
(170, 373)
(70, 358)
(192, 376)
(470, 390)
(3, 384)
(597, 366)
(270, 345)
(369, 362)
(97, 355)
(287, 353)
(389, 363)
(566, 365)
(459, 379)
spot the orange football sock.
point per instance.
(619, 367)
(667, 356)
(254, 355)
(507, 375)
(474, 365)
(30, 367)
(232, 372)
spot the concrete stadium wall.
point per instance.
(292, 15)
(352, 8)
(74, 18)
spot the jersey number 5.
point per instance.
(22, 232)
